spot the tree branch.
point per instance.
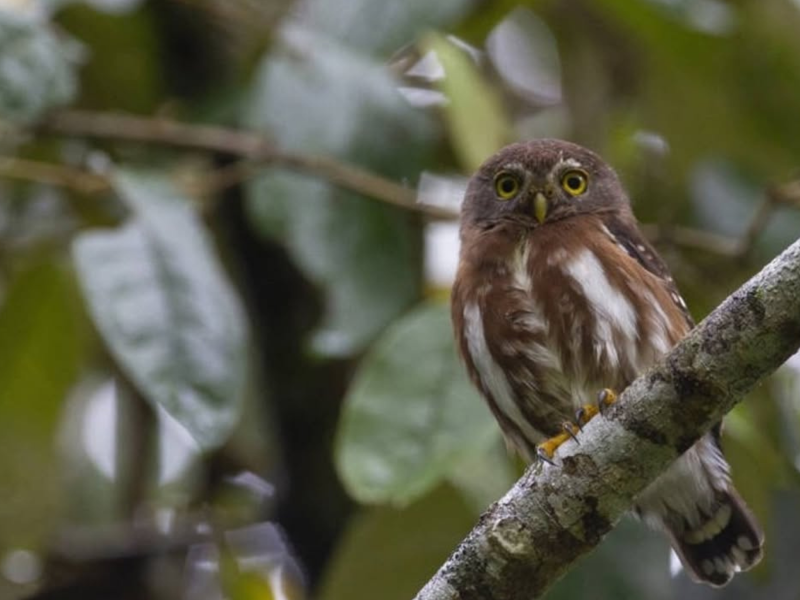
(257, 151)
(255, 148)
(553, 515)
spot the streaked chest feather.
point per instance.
(546, 331)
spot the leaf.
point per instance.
(42, 346)
(484, 477)
(381, 26)
(166, 310)
(477, 123)
(396, 551)
(37, 67)
(316, 97)
(410, 415)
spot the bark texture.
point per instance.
(553, 515)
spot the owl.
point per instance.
(559, 297)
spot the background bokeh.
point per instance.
(226, 246)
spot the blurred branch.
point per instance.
(695, 239)
(735, 248)
(528, 539)
(256, 149)
(78, 180)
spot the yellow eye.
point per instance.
(575, 181)
(506, 185)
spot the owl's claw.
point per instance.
(542, 453)
(605, 398)
(587, 412)
(572, 430)
(547, 449)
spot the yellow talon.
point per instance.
(606, 397)
(587, 412)
(547, 449)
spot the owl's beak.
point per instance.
(540, 207)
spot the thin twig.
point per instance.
(786, 193)
(257, 151)
(255, 148)
(756, 226)
(739, 248)
(693, 239)
(79, 180)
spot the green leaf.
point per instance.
(37, 67)
(477, 123)
(411, 415)
(42, 346)
(486, 476)
(390, 553)
(364, 256)
(165, 308)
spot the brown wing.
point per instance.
(629, 238)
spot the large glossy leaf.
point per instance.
(389, 554)
(37, 67)
(477, 123)
(315, 96)
(411, 414)
(166, 310)
(42, 344)
(381, 26)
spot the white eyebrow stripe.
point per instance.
(513, 166)
(568, 162)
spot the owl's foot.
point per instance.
(587, 412)
(547, 449)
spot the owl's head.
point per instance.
(541, 181)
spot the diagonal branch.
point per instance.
(527, 540)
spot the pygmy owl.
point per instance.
(559, 296)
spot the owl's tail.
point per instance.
(727, 542)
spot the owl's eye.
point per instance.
(575, 181)
(506, 185)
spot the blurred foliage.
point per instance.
(37, 67)
(393, 452)
(250, 390)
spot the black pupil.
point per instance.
(507, 185)
(574, 182)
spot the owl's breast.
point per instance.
(548, 326)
